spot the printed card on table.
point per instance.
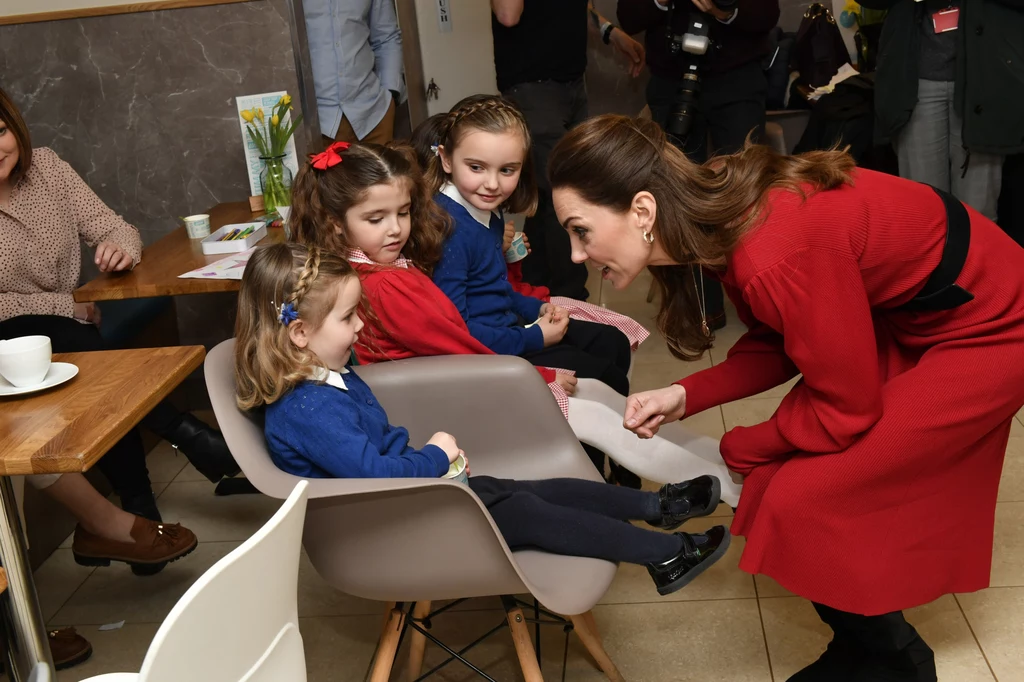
(230, 267)
(266, 101)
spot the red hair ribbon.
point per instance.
(329, 157)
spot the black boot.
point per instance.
(841, 659)
(700, 551)
(203, 446)
(891, 649)
(687, 500)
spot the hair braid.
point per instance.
(308, 275)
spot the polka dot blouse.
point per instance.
(50, 208)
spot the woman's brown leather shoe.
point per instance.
(68, 648)
(155, 543)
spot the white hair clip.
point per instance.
(436, 148)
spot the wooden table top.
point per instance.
(69, 427)
(175, 254)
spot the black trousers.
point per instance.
(593, 351)
(574, 517)
(551, 109)
(730, 106)
(124, 465)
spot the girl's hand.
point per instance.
(508, 236)
(526, 243)
(110, 257)
(567, 382)
(553, 330)
(647, 411)
(88, 312)
(557, 312)
(631, 49)
(446, 442)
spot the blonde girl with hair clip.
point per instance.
(298, 320)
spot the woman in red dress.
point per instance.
(872, 488)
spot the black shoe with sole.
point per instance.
(687, 500)
(839, 663)
(700, 551)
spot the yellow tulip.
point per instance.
(247, 116)
(259, 114)
(274, 120)
(286, 100)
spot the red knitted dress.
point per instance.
(873, 487)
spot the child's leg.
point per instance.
(527, 521)
(602, 340)
(612, 501)
(593, 351)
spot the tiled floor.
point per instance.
(727, 626)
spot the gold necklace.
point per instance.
(702, 302)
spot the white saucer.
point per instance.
(58, 373)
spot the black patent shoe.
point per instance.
(839, 663)
(687, 500)
(204, 447)
(700, 551)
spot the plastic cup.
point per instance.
(517, 251)
(198, 226)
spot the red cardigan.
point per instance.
(413, 318)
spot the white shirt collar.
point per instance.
(330, 377)
(482, 217)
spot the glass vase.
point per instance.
(276, 183)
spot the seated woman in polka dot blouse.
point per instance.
(45, 209)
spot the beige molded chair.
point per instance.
(413, 541)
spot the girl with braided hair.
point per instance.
(297, 322)
(482, 168)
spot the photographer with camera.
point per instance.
(705, 59)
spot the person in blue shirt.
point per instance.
(298, 318)
(355, 47)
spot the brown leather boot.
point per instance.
(68, 648)
(155, 543)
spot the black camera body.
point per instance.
(689, 47)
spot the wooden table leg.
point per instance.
(524, 647)
(586, 628)
(417, 642)
(388, 646)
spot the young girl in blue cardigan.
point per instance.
(297, 321)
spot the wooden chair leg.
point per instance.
(524, 647)
(388, 646)
(417, 642)
(586, 628)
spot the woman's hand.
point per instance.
(553, 311)
(567, 382)
(553, 330)
(526, 243)
(630, 49)
(647, 411)
(446, 442)
(110, 257)
(508, 236)
(88, 312)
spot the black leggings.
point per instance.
(593, 351)
(574, 517)
(124, 465)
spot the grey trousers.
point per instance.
(931, 150)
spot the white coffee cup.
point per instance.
(24, 361)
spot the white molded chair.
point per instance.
(239, 622)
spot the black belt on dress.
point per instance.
(941, 291)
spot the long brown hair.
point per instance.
(490, 114)
(703, 210)
(267, 363)
(321, 198)
(10, 115)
